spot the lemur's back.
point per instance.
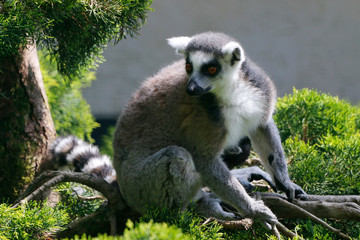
(161, 114)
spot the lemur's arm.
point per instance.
(267, 144)
(217, 177)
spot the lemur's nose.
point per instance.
(195, 88)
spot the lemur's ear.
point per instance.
(233, 53)
(179, 43)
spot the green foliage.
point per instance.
(309, 115)
(150, 230)
(187, 221)
(257, 231)
(309, 230)
(30, 221)
(321, 136)
(77, 207)
(329, 167)
(74, 31)
(144, 231)
(107, 142)
(70, 112)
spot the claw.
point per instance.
(267, 225)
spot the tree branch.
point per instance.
(49, 179)
(278, 205)
(336, 207)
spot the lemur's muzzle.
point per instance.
(197, 87)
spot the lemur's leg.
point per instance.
(267, 144)
(210, 205)
(165, 179)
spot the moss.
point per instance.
(15, 155)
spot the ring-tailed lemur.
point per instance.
(172, 133)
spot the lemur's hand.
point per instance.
(292, 190)
(263, 213)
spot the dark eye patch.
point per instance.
(208, 68)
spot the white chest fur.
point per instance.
(243, 108)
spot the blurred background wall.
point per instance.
(302, 44)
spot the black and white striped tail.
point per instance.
(71, 152)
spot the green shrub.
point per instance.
(143, 231)
(309, 115)
(69, 110)
(150, 230)
(187, 221)
(321, 136)
(30, 221)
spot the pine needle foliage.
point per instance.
(74, 31)
(187, 221)
(143, 231)
(30, 221)
(321, 136)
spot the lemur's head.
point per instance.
(213, 61)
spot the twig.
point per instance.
(91, 198)
(285, 231)
(243, 224)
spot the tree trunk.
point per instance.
(26, 126)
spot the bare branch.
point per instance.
(336, 207)
(332, 198)
(49, 179)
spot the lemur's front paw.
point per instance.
(292, 190)
(209, 206)
(264, 214)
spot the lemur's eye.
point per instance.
(212, 70)
(188, 67)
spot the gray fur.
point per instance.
(209, 42)
(161, 114)
(170, 138)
